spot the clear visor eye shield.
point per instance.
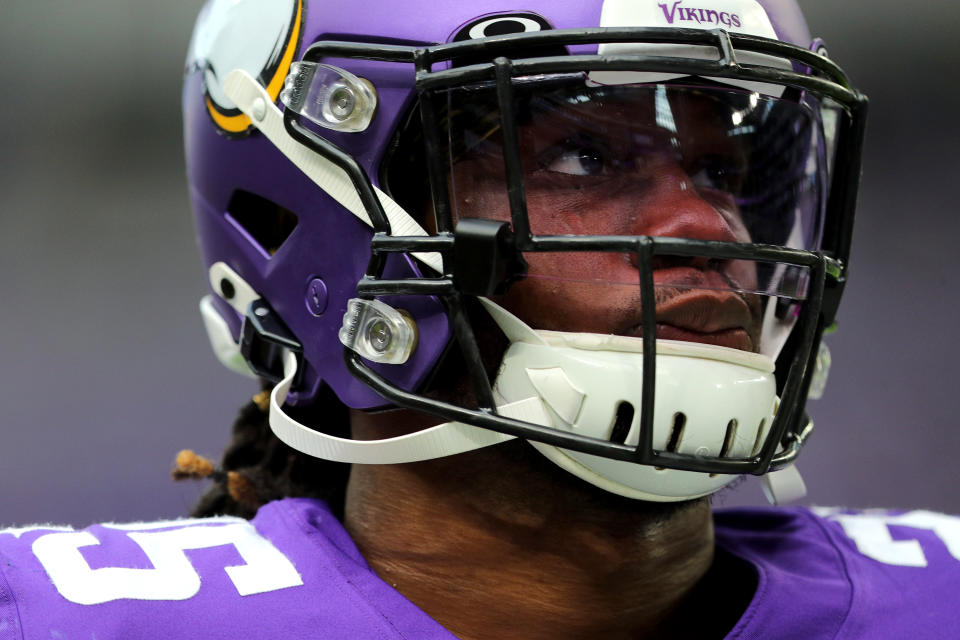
(549, 174)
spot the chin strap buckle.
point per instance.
(265, 339)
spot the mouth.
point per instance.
(722, 318)
(731, 338)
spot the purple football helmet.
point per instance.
(615, 229)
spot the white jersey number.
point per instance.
(871, 533)
(173, 577)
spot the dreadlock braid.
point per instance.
(257, 467)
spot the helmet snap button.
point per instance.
(259, 109)
(317, 297)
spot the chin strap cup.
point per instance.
(783, 486)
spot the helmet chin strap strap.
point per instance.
(439, 441)
(254, 101)
(783, 486)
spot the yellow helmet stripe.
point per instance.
(241, 122)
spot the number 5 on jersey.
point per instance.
(173, 576)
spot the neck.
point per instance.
(499, 543)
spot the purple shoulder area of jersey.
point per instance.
(290, 572)
(293, 571)
(9, 617)
(836, 573)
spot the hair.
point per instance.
(257, 467)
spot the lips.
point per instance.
(711, 315)
(730, 338)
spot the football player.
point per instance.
(524, 286)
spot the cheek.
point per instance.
(603, 207)
(575, 292)
(478, 191)
(579, 266)
(743, 272)
(727, 207)
(482, 201)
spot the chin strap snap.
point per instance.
(439, 441)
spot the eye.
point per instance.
(716, 172)
(577, 163)
(576, 157)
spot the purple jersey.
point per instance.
(837, 573)
(293, 572)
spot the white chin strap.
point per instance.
(578, 383)
(435, 442)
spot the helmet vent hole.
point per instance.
(727, 441)
(676, 432)
(758, 443)
(728, 438)
(621, 426)
(265, 224)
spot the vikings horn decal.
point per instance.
(258, 36)
(501, 24)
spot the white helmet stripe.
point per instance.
(254, 101)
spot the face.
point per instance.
(616, 167)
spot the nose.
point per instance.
(673, 207)
(676, 208)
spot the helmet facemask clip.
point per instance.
(485, 260)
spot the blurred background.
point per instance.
(105, 370)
